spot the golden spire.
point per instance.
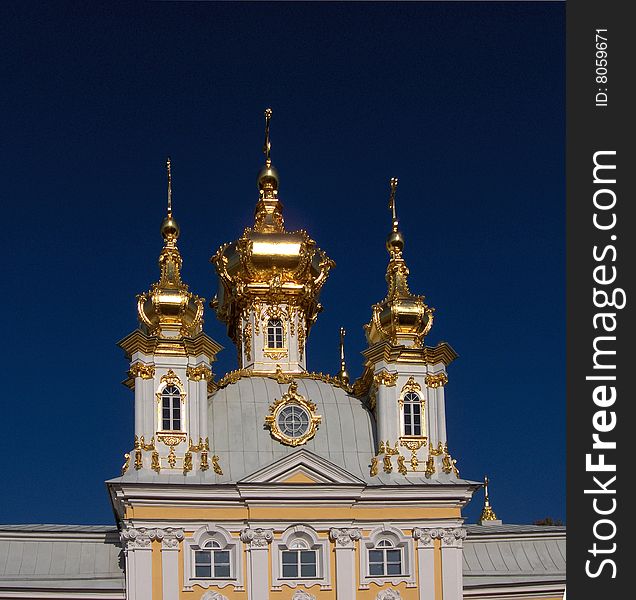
(169, 309)
(343, 375)
(268, 215)
(402, 317)
(487, 514)
(169, 187)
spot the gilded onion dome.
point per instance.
(169, 309)
(402, 317)
(268, 264)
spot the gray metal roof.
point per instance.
(504, 555)
(238, 436)
(77, 558)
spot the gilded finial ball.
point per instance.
(169, 228)
(268, 178)
(394, 242)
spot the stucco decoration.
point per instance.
(388, 595)
(302, 595)
(213, 596)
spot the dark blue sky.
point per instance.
(464, 102)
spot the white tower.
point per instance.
(170, 369)
(269, 283)
(406, 378)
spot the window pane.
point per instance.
(166, 413)
(290, 570)
(290, 558)
(393, 569)
(221, 557)
(308, 557)
(203, 571)
(166, 424)
(376, 569)
(308, 570)
(376, 556)
(222, 571)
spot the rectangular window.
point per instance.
(290, 563)
(203, 564)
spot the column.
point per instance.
(170, 538)
(425, 539)
(257, 542)
(203, 406)
(441, 414)
(452, 545)
(137, 544)
(345, 543)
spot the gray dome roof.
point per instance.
(238, 436)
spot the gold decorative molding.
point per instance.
(187, 462)
(430, 466)
(401, 466)
(171, 378)
(281, 377)
(373, 471)
(437, 380)
(411, 386)
(204, 465)
(172, 438)
(413, 444)
(388, 467)
(126, 464)
(138, 460)
(385, 378)
(154, 463)
(141, 370)
(436, 451)
(291, 398)
(216, 467)
(247, 341)
(199, 373)
(386, 448)
(275, 355)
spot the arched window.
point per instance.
(171, 408)
(212, 561)
(385, 559)
(412, 414)
(299, 560)
(275, 333)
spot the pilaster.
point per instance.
(137, 543)
(452, 548)
(425, 544)
(170, 541)
(257, 543)
(345, 543)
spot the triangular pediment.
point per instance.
(303, 467)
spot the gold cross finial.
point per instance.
(169, 187)
(487, 514)
(393, 182)
(343, 375)
(267, 146)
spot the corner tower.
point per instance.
(406, 378)
(170, 368)
(269, 283)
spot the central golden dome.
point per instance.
(268, 264)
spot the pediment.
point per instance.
(303, 468)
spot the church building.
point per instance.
(275, 482)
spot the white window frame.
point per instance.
(310, 538)
(179, 396)
(403, 404)
(400, 542)
(231, 544)
(282, 329)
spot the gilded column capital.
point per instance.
(199, 373)
(257, 538)
(385, 378)
(436, 380)
(344, 538)
(142, 370)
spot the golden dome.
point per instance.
(169, 310)
(402, 317)
(269, 264)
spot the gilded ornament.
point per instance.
(275, 355)
(140, 370)
(216, 466)
(401, 466)
(430, 466)
(171, 439)
(187, 462)
(411, 386)
(171, 378)
(172, 458)
(388, 467)
(301, 340)
(487, 514)
(154, 463)
(413, 445)
(204, 465)
(126, 464)
(438, 380)
(374, 467)
(436, 451)
(385, 378)
(138, 461)
(199, 373)
(292, 398)
(247, 341)
(389, 450)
